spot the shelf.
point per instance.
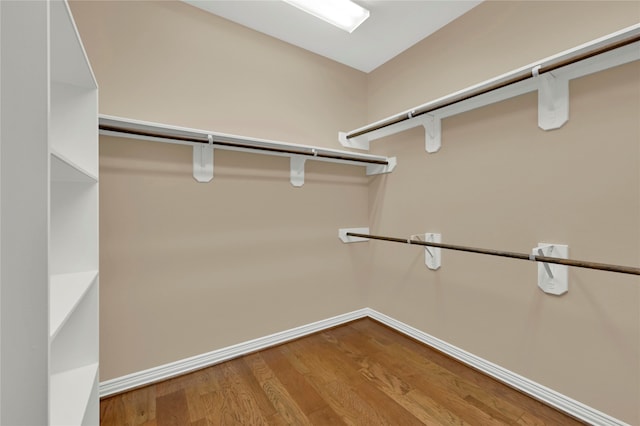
(76, 342)
(65, 170)
(204, 142)
(73, 130)
(92, 412)
(73, 226)
(71, 393)
(73, 95)
(606, 52)
(69, 62)
(66, 291)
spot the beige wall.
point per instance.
(187, 268)
(500, 182)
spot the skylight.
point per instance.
(344, 14)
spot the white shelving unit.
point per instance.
(49, 343)
(73, 244)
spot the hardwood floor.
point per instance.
(361, 373)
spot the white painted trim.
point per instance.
(529, 387)
(183, 366)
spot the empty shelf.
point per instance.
(65, 170)
(70, 393)
(66, 291)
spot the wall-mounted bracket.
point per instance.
(203, 163)
(430, 122)
(378, 169)
(433, 132)
(297, 171)
(552, 278)
(359, 142)
(432, 255)
(553, 101)
(342, 234)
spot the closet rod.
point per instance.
(205, 140)
(534, 258)
(518, 77)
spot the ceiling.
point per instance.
(393, 26)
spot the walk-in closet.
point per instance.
(233, 212)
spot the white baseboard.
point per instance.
(183, 366)
(529, 387)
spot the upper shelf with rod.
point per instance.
(204, 142)
(550, 77)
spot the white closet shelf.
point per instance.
(70, 394)
(66, 292)
(204, 142)
(65, 170)
(549, 76)
(69, 63)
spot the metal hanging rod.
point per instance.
(516, 77)
(108, 126)
(522, 256)
(204, 143)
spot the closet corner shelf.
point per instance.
(66, 292)
(65, 170)
(70, 393)
(204, 142)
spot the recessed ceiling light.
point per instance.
(344, 14)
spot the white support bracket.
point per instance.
(297, 171)
(203, 163)
(553, 100)
(359, 142)
(430, 122)
(342, 234)
(432, 255)
(552, 278)
(378, 169)
(432, 131)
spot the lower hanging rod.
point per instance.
(522, 256)
(225, 143)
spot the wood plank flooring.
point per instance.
(361, 373)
